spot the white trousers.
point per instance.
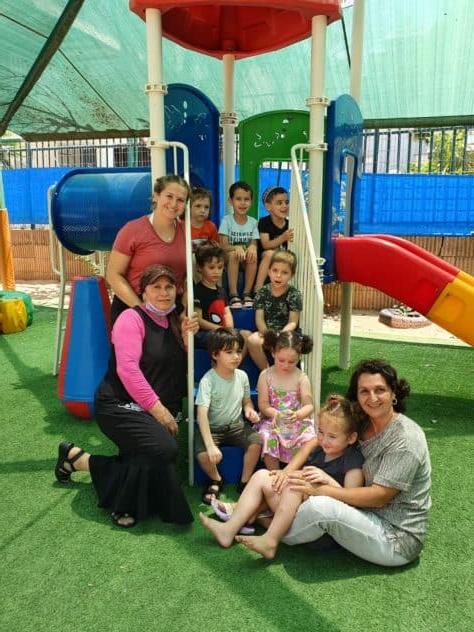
(360, 532)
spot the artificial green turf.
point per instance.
(65, 567)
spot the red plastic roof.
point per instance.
(242, 28)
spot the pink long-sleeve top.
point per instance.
(128, 334)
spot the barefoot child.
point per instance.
(273, 230)
(284, 399)
(333, 460)
(238, 235)
(223, 392)
(278, 304)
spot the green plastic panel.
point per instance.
(269, 137)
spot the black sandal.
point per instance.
(62, 474)
(212, 490)
(235, 301)
(247, 301)
(117, 516)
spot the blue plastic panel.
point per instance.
(89, 346)
(191, 118)
(344, 138)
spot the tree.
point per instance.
(442, 159)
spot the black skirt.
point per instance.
(142, 480)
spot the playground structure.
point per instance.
(307, 16)
(445, 295)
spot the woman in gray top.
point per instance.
(385, 521)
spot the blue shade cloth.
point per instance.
(26, 192)
(385, 203)
(415, 205)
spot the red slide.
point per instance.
(412, 275)
(394, 266)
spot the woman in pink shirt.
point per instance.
(136, 407)
(155, 238)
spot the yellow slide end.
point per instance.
(454, 308)
(467, 278)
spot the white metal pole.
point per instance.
(228, 120)
(317, 104)
(357, 41)
(156, 90)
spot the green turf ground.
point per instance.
(66, 568)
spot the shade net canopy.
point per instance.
(417, 67)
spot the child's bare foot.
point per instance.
(219, 530)
(258, 543)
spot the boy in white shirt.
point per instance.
(238, 235)
(223, 393)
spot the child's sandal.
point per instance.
(212, 490)
(235, 302)
(248, 301)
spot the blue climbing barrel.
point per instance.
(89, 206)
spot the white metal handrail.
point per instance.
(308, 276)
(58, 266)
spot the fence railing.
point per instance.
(440, 150)
(404, 150)
(105, 152)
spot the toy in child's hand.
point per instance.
(252, 416)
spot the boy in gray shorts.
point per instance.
(224, 392)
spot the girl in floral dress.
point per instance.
(284, 399)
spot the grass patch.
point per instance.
(66, 567)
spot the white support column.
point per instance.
(156, 90)
(317, 105)
(228, 121)
(357, 41)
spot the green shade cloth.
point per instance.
(417, 68)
